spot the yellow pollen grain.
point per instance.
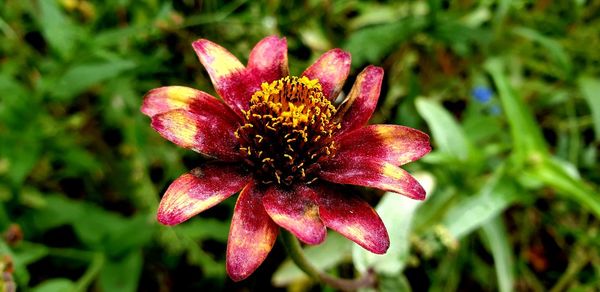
(278, 178)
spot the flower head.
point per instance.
(282, 141)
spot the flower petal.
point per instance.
(199, 190)
(364, 171)
(353, 218)
(362, 100)
(395, 144)
(225, 70)
(296, 211)
(331, 69)
(252, 234)
(207, 133)
(268, 60)
(163, 99)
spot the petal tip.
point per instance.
(417, 192)
(341, 52)
(380, 249)
(200, 43)
(317, 237)
(236, 274)
(375, 69)
(151, 104)
(168, 218)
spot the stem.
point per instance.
(577, 262)
(91, 273)
(292, 245)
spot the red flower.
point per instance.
(282, 142)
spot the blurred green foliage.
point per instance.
(514, 201)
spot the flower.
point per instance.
(482, 94)
(282, 141)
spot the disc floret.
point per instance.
(287, 130)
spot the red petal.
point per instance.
(268, 60)
(362, 100)
(331, 69)
(195, 192)
(364, 171)
(251, 236)
(208, 133)
(353, 218)
(395, 144)
(163, 99)
(226, 72)
(296, 211)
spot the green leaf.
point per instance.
(204, 228)
(447, 133)
(82, 76)
(386, 36)
(396, 283)
(94, 226)
(553, 47)
(334, 250)
(397, 213)
(553, 173)
(55, 285)
(122, 274)
(26, 252)
(495, 233)
(57, 29)
(590, 89)
(527, 136)
(472, 212)
(128, 234)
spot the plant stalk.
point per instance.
(294, 250)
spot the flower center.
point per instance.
(287, 131)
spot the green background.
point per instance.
(515, 202)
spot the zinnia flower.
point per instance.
(282, 141)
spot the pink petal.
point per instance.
(364, 171)
(199, 190)
(207, 133)
(252, 234)
(236, 84)
(163, 99)
(296, 211)
(331, 69)
(362, 100)
(268, 60)
(226, 72)
(395, 144)
(353, 218)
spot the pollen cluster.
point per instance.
(287, 131)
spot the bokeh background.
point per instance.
(508, 90)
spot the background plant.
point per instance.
(507, 89)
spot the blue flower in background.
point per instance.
(482, 94)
